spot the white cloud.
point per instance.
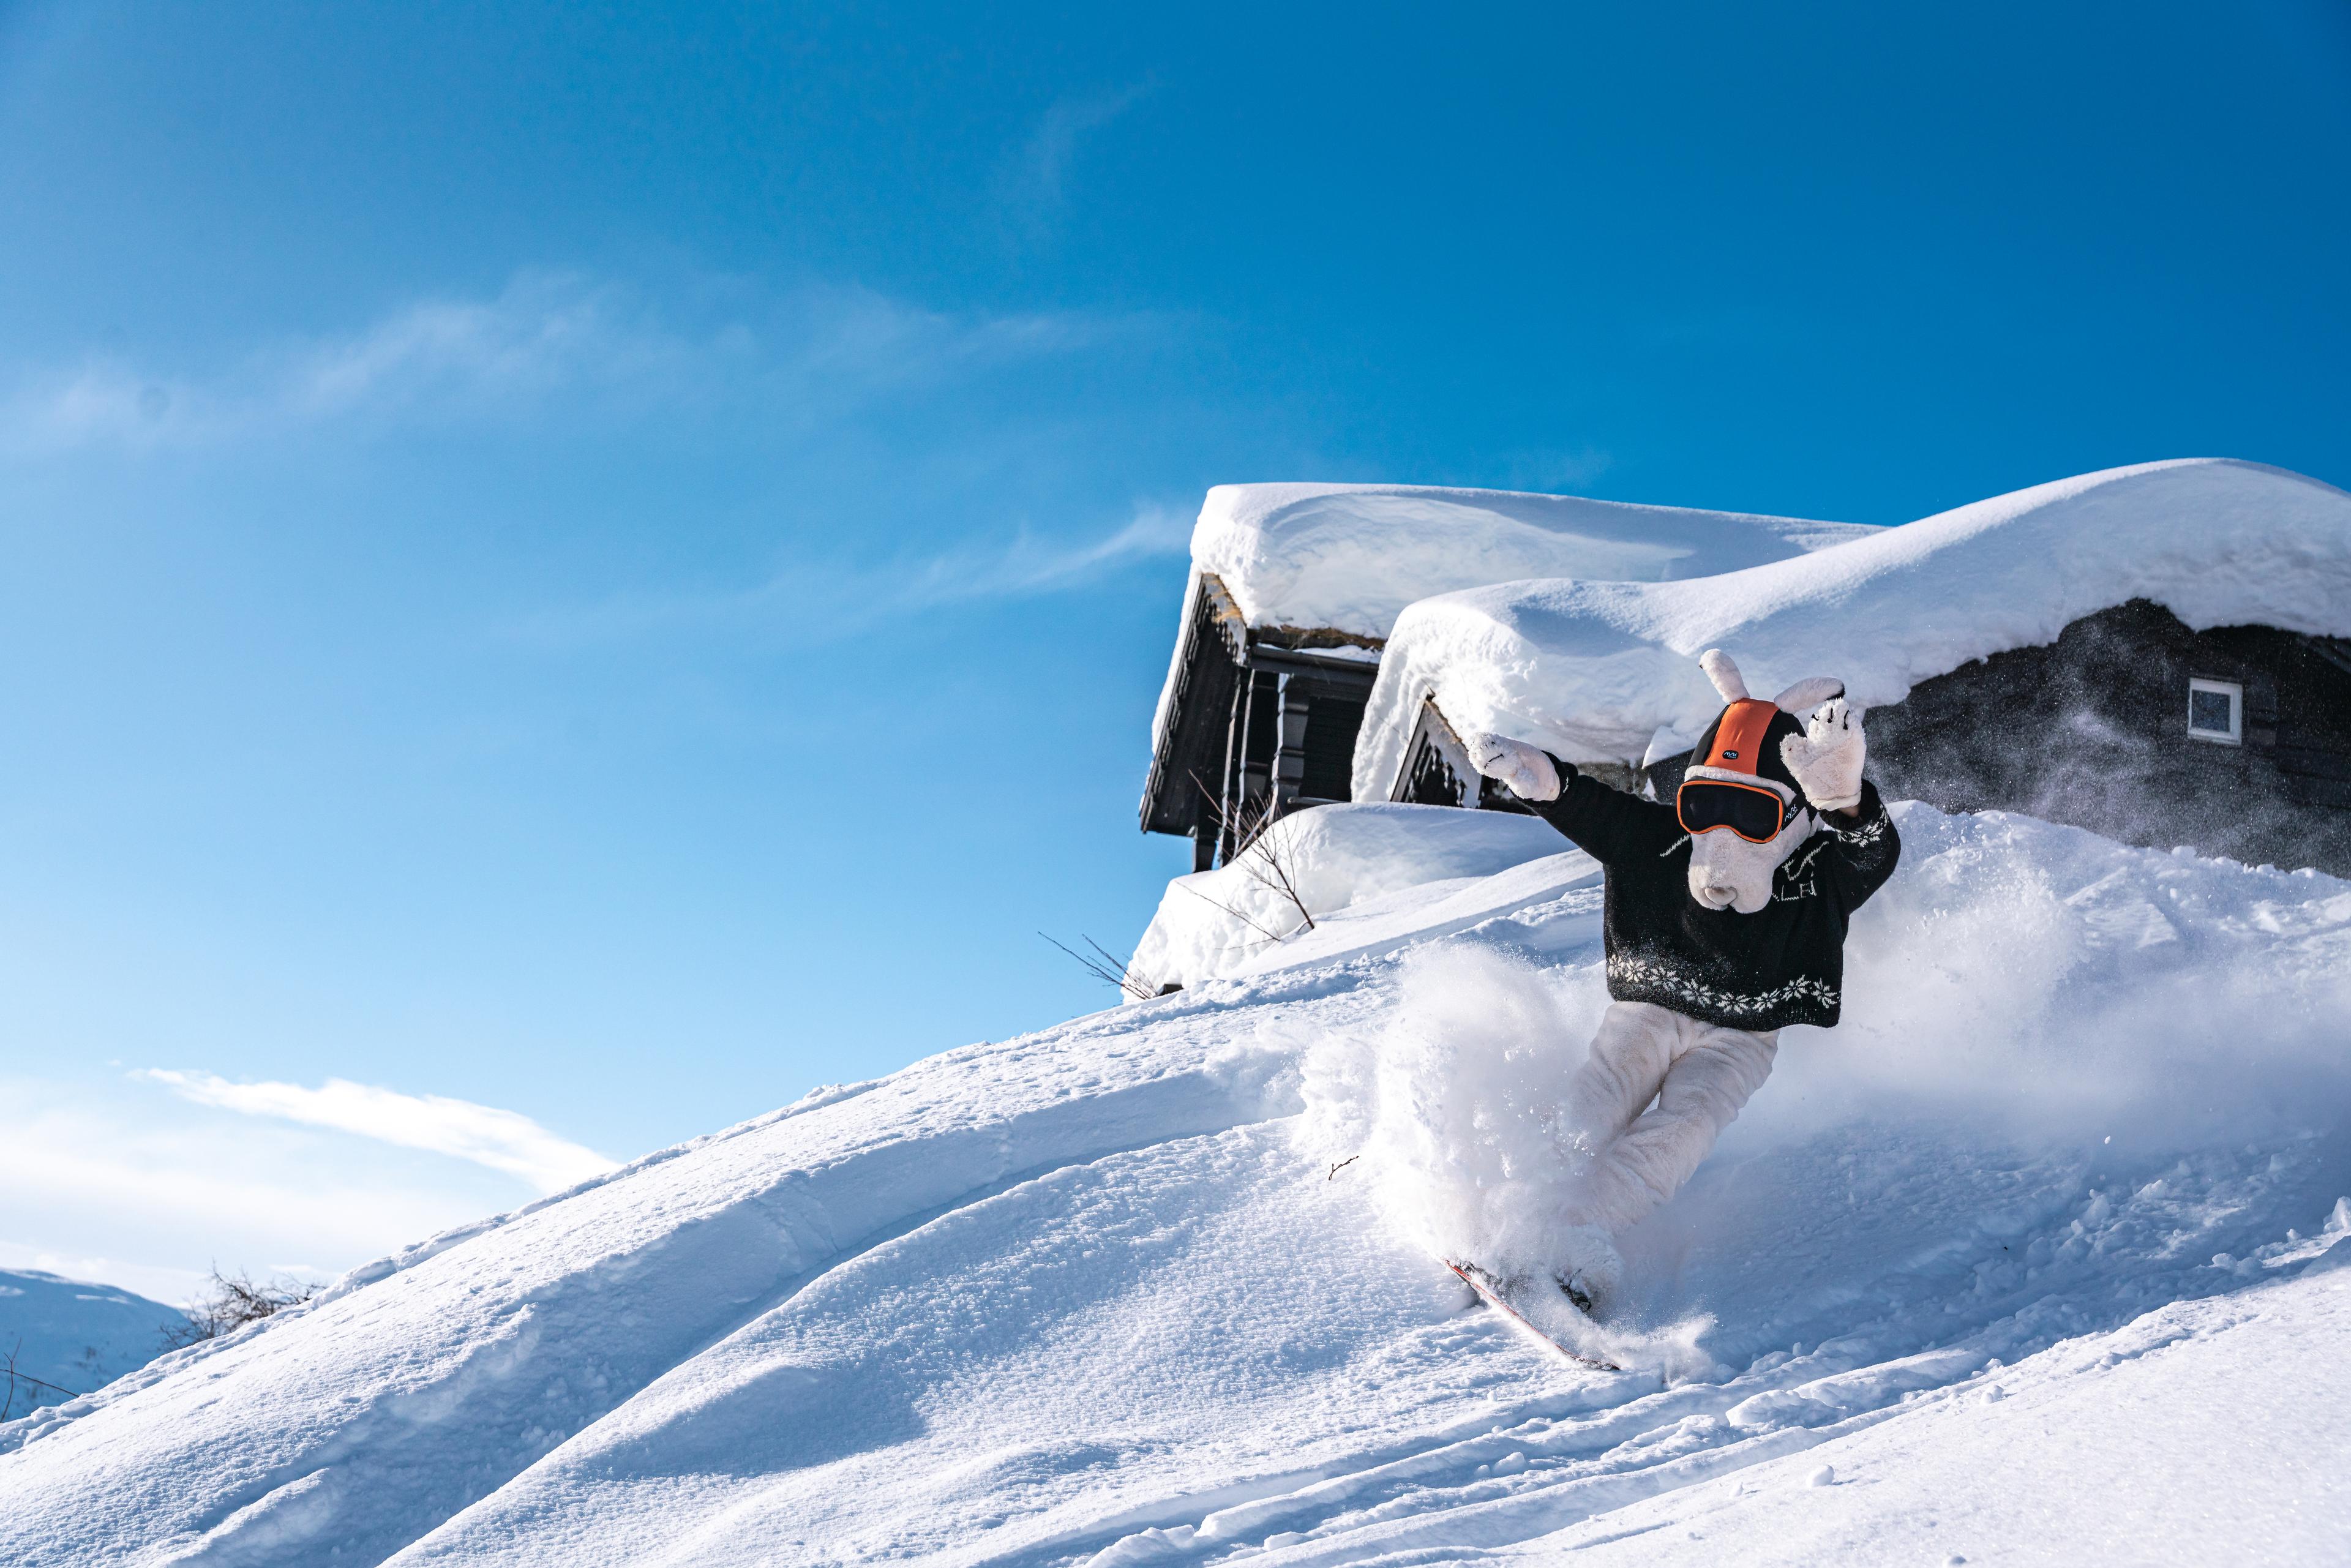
(1026, 564)
(1054, 147)
(811, 600)
(1032, 185)
(804, 358)
(108, 1181)
(501, 1140)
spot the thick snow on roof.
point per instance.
(1350, 557)
(1108, 1294)
(1595, 671)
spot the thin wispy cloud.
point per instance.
(1023, 565)
(814, 599)
(1055, 145)
(1032, 192)
(109, 1180)
(503, 1141)
(548, 341)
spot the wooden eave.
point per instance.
(1216, 639)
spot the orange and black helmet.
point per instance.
(1733, 770)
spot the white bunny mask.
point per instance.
(1727, 872)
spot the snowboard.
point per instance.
(1563, 1323)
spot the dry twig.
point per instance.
(1109, 968)
(9, 1370)
(236, 1300)
(1269, 860)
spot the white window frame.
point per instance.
(2235, 734)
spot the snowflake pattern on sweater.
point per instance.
(1634, 978)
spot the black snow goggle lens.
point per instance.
(1753, 812)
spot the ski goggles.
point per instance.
(1749, 810)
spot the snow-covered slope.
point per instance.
(1369, 875)
(74, 1335)
(1350, 557)
(2042, 1252)
(1593, 670)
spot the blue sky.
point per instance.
(612, 564)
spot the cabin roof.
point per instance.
(1330, 566)
(1349, 557)
(1607, 672)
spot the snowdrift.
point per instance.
(1351, 557)
(1604, 670)
(1370, 876)
(2042, 1257)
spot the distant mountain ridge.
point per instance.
(72, 1335)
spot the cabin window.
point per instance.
(2215, 711)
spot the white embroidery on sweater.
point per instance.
(1650, 975)
(1795, 880)
(1866, 834)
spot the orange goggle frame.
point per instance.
(1753, 812)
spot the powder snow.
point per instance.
(2043, 1257)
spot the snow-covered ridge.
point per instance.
(1109, 1294)
(1349, 557)
(1595, 669)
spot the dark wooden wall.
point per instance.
(1263, 723)
(2091, 730)
(1180, 792)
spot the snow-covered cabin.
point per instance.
(2154, 653)
(1296, 588)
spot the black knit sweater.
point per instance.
(1783, 964)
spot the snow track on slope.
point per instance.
(450, 1377)
(1098, 1295)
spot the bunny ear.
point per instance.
(1724, 674)
(1805, 695)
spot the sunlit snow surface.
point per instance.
(1350, 557)
(2039, 1259)
(1596, 670)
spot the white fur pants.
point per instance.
(1700, 1074)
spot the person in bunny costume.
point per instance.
(1725, 922)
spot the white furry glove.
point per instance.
(1826, 758)
(1523, 768)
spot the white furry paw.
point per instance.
(1827, 757)
(1522, 768)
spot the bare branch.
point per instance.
(236, 1301)
(1269, 864)
(1108, 968)
(1228, 909)
(9, 1370)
